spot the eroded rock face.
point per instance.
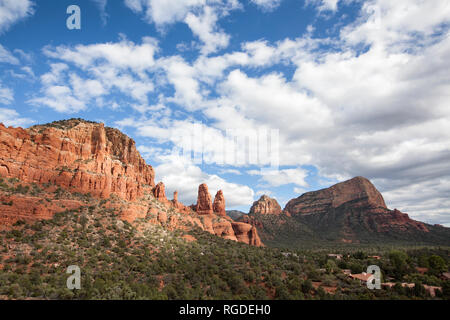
(31, 209)
(214, 219)
(246, 233)
(265, 205)
(85, 157)
(204, 203)
(219, 204)
(360, 191)
(251, 219)
(349, 207)
(76, 155)
(225, 230)
(162, 217)
(160, 192)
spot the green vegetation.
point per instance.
(144, 261)
(311, 231)
(64, 124)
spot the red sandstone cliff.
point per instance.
(82, 157)
(358, 190)
(76, 155)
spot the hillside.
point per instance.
(46, 168)
(143, 260)
(75, 192)
(355, 211)
(235, 214)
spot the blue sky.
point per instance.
(341, 87)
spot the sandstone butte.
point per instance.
(354, 194)
(85, 157)
(265, 205)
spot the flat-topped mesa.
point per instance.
(265, 205)
(77, 155)
(204, 202)
(219, 204)
(359, 191)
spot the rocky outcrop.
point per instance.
(265, 205)
(204, 203)
(219, 204)
(31, 209)
(353, 210)
(215, 220)
(76, 155)
(246, 233)
(224, 229)
(74, 163)
(360, 191)
(131, 211)
(178, 205)
(162, 217)
(251, 219)
(160, 193)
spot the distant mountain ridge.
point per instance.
(352, 211)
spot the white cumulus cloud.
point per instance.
(12, 11)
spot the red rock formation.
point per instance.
(160, 193)
(76, 155)
(219, 204)
(30, 209)
(246, 233)
(162, 217)
(224, 229)
(85, 157)
(204, 203)
(250, 219)
(395, 219)
(265, 205)
(178, 205)
(358, 190)
(358, 203)
(132, 211)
